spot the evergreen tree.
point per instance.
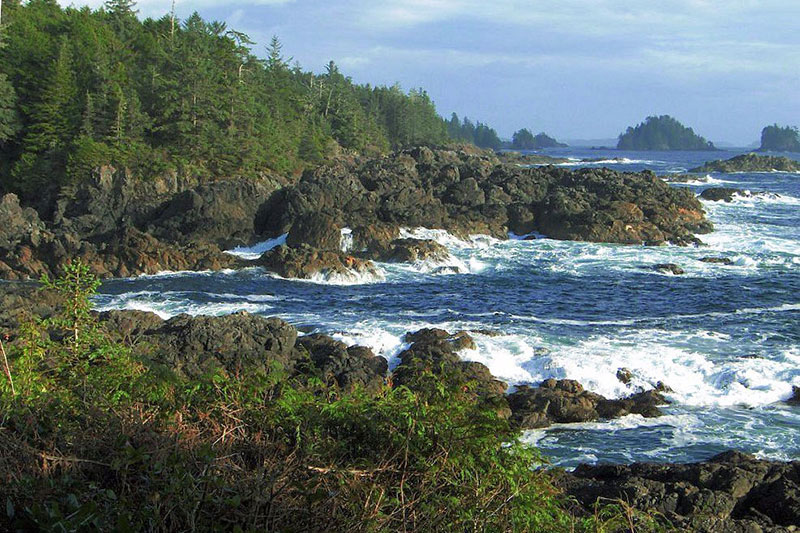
(777, 139)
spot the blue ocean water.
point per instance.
(726, 339)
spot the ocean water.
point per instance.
(726, 339)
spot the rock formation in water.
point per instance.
(751, 163)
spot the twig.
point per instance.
(7, 368)
(56, 458)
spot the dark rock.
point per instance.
(751, 163)
(411, 250)
(317, 231)
(716, 194)
(305, 262)
(666, 268)
(795, 398)
(565, 401)
(717, 260)
(435, 350)
(624, 375)
(346, 367)
(730, 492)
(192, 346)
(221, 212)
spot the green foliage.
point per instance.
(478, 134)
(82, 88)
(662, 133)
(525, 140)
(777, 139)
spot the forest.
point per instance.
(80, 88)
(777, 139)
(662, 133)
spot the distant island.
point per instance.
(777, 139)
(751, 163)
(525, 140)
(662, 133)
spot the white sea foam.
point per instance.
(347, 240)
(255, 251)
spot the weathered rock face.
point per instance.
(192, 346)
(306, 262)
(466, 193)
(565, 401)
(347, 367)
(410, 250)
(751, 163)
(716, 194)
(124, 226)
(731, 492)
(435, 351)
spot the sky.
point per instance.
(576, 69)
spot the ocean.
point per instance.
(724, 338)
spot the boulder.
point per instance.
(666, 268)
(411, 250)
(565, 401)
(347, 367)
(305, 262)
(316, 230)
(717, 194)
(191, 346)
(435, 350)
(732, 491)
(795, 397)
(717, 260)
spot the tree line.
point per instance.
(81, 87)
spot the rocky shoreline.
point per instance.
(122, 226)
(729, 492)
(751, 163)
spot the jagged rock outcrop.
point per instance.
(124, 226)
(751, 163)
(466, 194)
(566, 401)
(305, 262)
(347, 367)
(732, 492)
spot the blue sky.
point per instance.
(577, 69)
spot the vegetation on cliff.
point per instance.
(777, 139)
(662, 133)
(525, 140)
(82, 88)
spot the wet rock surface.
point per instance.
(123, 226)
(731, 492)
(565, 401)
(305, 262)
(751, 163)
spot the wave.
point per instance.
(255, 251)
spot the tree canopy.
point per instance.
(662, 133)
(478, 134)
(777, 139)
(525, 140)
(82, 88)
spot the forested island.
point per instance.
(662, 133)
(525, 140)
(777, 139)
